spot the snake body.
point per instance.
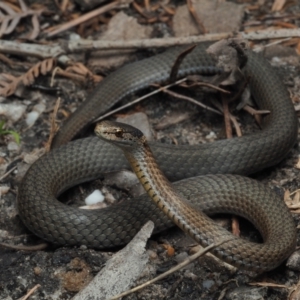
(88, 158)
(193, 221)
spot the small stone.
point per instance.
(37, 270)
(152, 254)
(94, 198)
(123, 179)
(12, 111)
(109, 197)
(195, 249)
(245, 293)
(191, 275)
(181, 257)
(207, 284)
(170, 250)
(13, 146)
(4, 190)
(4, 234)
(211, 135)
(294, 261)
(31, 118)
(83, 247)
(37, 110)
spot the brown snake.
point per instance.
(88, 158)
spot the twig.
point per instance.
(6, 60)
(228, 129)
(138, 100)
(30, 292)
(88, 16)
(197, 83)
(257, 114)
(84, 45)
(178, 61)
(179, 96)
(196, 17)
(269, 284)
(25, 248)
(236, 125)
(7, 173)
(226, 114)
(172, 270)
(232, 118)
(278, 5)
(55, 50)
(261, 48)
(54, 127)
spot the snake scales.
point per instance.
(88, 158)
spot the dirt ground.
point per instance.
(63, 271)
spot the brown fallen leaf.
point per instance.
(170, 250)
(278, 5)
(297, 165)
(269, 284)
(292, 200)
(11, 15)
(10, 83)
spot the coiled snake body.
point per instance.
(88, 158)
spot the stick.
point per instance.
(138, 100)
(55, 50)
(89, 15)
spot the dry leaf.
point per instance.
(9, 83)
(297, 166)
(278, 5)
(80, 69)
(42, 67)
(292, 200)
(298, 52)
(269, 284)
(170, 250)
(10, 16)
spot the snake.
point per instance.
(81, 160)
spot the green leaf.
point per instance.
(13, 133)
(1, 125)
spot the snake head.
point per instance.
(119, 134)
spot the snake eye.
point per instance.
(119, 133)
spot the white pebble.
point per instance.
(32, 117)
(12, 111)
(13, 146)
(4, 190)
(94, 197)
(37, 110)
(74, 37)
(40, 107)
(211, 135)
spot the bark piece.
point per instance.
(121, 270)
